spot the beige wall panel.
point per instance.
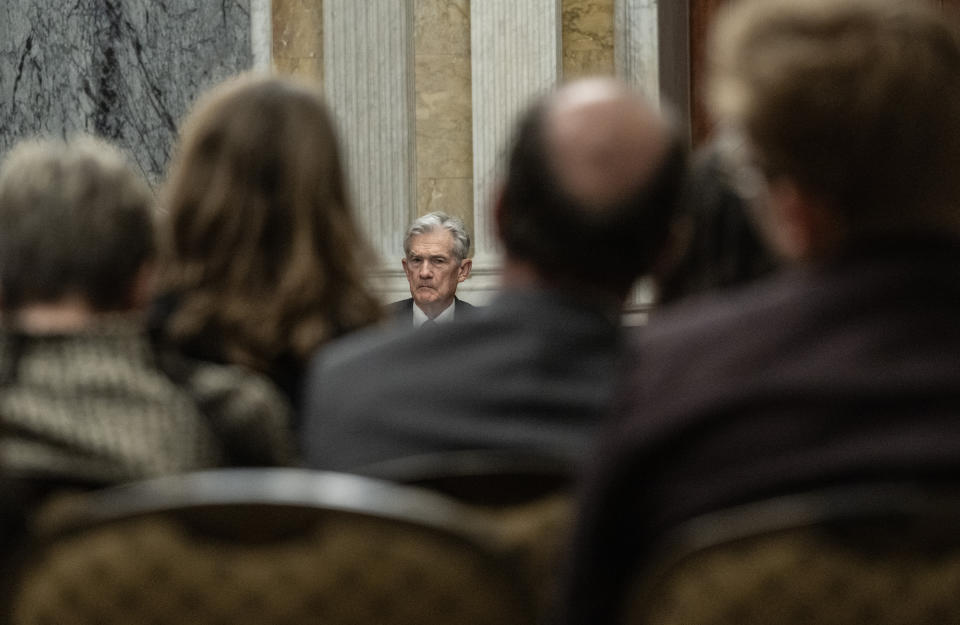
(450, 195)
(444, 141)
(587, 38)
(442, 27)
(443, 118)
(298, 37)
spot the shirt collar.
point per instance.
(444, 317)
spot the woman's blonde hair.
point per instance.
(259, 243)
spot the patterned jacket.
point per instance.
(104, 405)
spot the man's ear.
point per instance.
(142, 289)
(466, 266)
(403, 261)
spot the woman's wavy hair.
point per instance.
(259, 240)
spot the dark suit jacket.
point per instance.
(532, 371)
(402, 311)
(846, 372)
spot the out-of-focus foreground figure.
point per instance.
(590, 192)
(85, 398)
(716, 243)
(261, 260)
(842, 369)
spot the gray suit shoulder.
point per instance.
(400, 307)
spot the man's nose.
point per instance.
(426, 270)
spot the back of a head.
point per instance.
(260, 236)
(75, 221)
(857, 102)
(592, 184)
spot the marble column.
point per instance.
(637, 61)
(515, 57)
(261, 33)
(368, 80)
(126, 70)
(637, 57)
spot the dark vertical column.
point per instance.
(674, 48)
(105, 78)
(702, 14)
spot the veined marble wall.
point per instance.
(126, 70)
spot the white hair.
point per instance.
(432, 221)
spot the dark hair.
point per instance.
(260, 244)
(541, 223)
(718, 243)
(75, 220)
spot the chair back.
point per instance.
(526, 495)
(482, 477)
(881, 554)
(256, 546)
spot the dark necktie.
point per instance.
(429, 323)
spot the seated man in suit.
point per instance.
(435, 262)
(85, 398)
(585, 210)
(842, 368)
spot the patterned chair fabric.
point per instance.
(334, 549)
(527, 496)
(876, 555)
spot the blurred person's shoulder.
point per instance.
(715, 312)
(717, 333)
(249, 413)
(361, 344)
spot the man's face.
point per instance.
(433, 270)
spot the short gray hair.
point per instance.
(75, 219)
(439, 219)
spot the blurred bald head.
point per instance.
(592, 184)
(604, 141)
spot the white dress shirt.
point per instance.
(419, 317)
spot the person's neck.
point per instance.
(70, 314)
(433, 309)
